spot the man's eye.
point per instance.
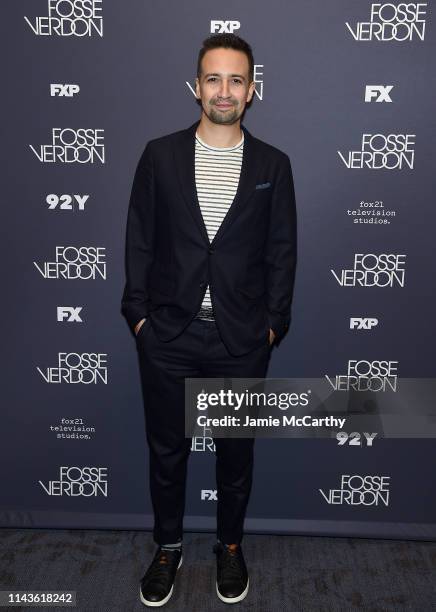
(238, 81)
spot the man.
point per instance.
(210, 266)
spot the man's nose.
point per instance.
(224, 89)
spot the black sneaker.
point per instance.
(157, 583)
(232, 576)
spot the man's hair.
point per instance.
(227, 41)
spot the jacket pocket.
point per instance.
(252, 291)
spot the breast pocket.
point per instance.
(260, 200)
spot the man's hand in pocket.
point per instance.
(138, 326)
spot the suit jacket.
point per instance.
(250, 263)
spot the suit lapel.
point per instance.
(184, 157)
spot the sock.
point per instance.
(175, 546)
(219, 542)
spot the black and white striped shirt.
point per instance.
(217, 171)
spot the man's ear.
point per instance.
(197, 87)
(251, 89)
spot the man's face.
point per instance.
(224, 87)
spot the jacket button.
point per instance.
(211, 250)
(202, 285)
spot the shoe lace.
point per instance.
(231, 563)
(160, 566)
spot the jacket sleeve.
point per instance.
(139, 246)
(281, 250)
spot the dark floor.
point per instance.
(286, 572)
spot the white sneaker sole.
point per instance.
(233, 599)
(156, 604)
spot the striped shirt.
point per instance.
(217, 171)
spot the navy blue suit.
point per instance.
(250, 263)
(250, 269)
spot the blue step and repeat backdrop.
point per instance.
(347, 90)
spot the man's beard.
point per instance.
(223, 117)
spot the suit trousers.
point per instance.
(197, 352)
